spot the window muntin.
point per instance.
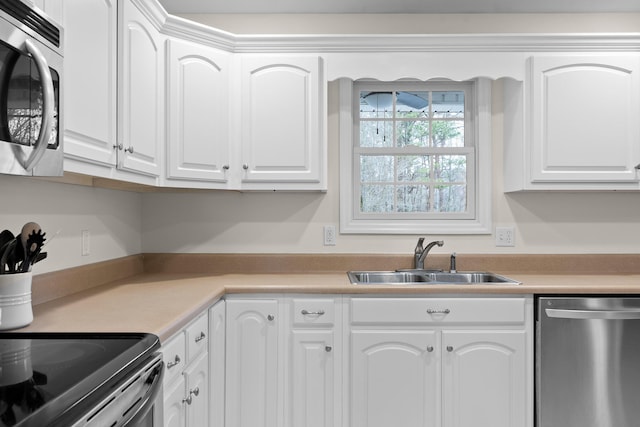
(414, 151)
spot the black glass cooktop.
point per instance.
(47, 377)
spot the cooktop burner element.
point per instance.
(46, 378)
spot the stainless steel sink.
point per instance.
(426, 277)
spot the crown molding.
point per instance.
(344, 43)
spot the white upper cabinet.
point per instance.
(90, 63)
(574, 124)
(283, 106)
(141, 90)
(113, 89)
(197, 114)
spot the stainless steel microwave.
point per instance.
(30, 96)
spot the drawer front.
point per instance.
(174, 357)
(313, 312)
(437, 310)
(197, 335)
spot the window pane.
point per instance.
(412, 104)
(376, 198)
(449, 104)
(413, 168)
(376, 105)
(450, 198)
(412, 133)
(413, 198)
(376, 169)
(450, 169)
(376, 134)
(448, 133)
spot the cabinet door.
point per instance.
(484, 379)
(197, 112)
(252, 363)
(394, 379)
(197, 390)
(141, 102)
(283, 105)
(173, 406)
(90, 67)
(311, 378)
(585, 111)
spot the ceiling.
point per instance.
(399, 6)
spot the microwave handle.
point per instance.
(48, 100)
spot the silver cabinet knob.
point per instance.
(312, 313)
(430, 348)
(130, 149)
(189, 399)
(270, 317)
(449, 348)
(176, 361)
(118, 146)
(245, 166)
(328, 348)
(432, 311)
(225, 167)
(200, 337)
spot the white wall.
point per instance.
(113, 219)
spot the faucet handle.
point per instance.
(419, 248)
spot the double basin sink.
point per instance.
(427, 277)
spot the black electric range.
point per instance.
(56, 379)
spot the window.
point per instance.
(415, 157)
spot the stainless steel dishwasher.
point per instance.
(588, 362)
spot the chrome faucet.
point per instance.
(420, 253)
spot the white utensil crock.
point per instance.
(15, 300)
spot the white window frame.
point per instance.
(478, 221)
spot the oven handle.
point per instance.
(48, 101)
(593, 314)
(150, 399)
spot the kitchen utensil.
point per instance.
(32, 247)
(31, 240)
(5, 238)
(11, 256)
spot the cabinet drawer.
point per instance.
(197, 335)
(174, 357)
(313, 311)
(437, 310)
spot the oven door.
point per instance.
(131, 402)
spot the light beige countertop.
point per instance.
(163, 303)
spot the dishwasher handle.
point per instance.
(592, 314)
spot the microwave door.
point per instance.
(28, 100)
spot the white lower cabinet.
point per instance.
(314, 377)
(445, 362)
(252, 363)
(483, 378)
(283, 359)
(394, 379)
(352, 361)
(186, 380)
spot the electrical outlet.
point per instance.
(86, 236)
(505, 236)
(329, 235)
